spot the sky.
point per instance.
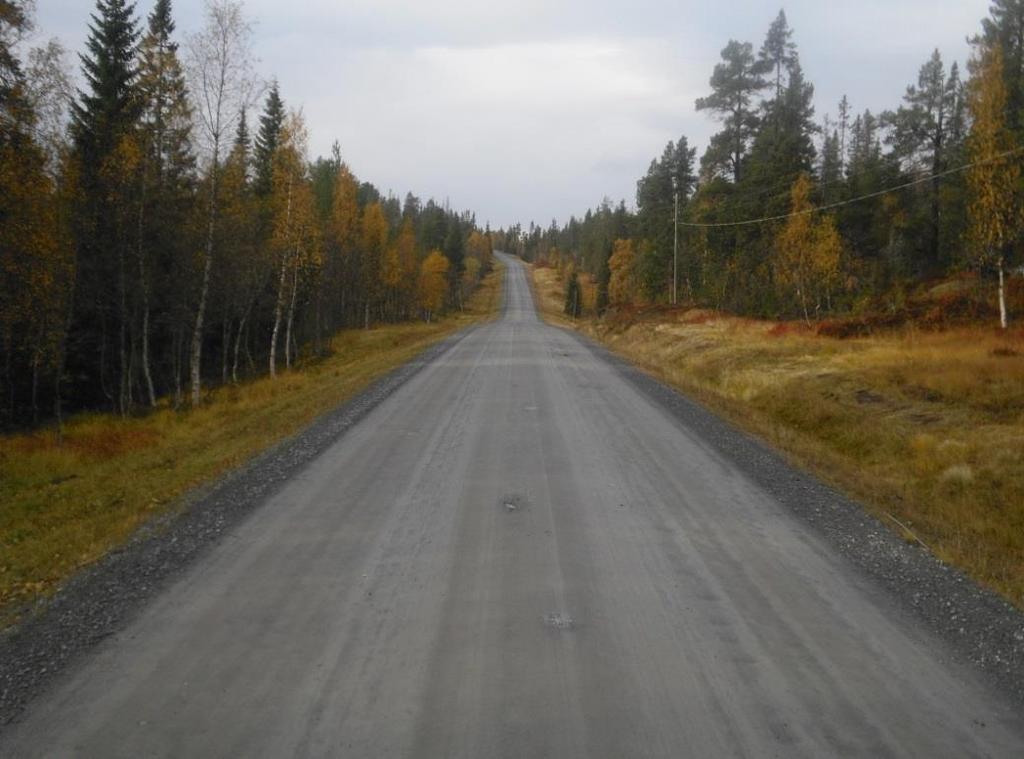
(534, 110)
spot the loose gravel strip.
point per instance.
(103, 599)
(978, 625)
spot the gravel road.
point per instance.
(528, 549)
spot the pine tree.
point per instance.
(734, 84)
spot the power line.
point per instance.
(783, 187)
(878, 193)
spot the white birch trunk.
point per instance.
(238, 342)
(221, 58)
(1003, 320)
(197, 333)
(290, 320)
(278, 308)
(147, 374)
(279, 305)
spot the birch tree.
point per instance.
(295, 237)
(433, 283)
(622, 284)
(221, 63)
(807, 252)
(996, 211)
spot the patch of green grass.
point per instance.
(64, 505)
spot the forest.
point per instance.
(163, 228)
(787, 215)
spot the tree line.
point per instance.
(928, 189)
(155, 238)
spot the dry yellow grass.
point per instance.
(925, 427)
(548, 290)
(64, 506)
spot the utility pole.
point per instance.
(675, 243)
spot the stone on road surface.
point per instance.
(519, 555)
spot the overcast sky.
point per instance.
(537, 109)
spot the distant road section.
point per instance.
(519, 554)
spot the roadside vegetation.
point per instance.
(923, 425)
(846, 285)
(165, 230)
(793, 212)
(69, 501)
(173, 266)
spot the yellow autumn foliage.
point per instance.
(433, 282)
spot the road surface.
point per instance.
(519, 555)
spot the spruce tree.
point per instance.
(15, 22)
(242, 147)
(831, 168)
(683, 176)
(778, 52)
(922, 136)
(267, 140)
(573, 296)
(844, 129)
(166, 114)
(165, 184)
(109, 107)
(655, 212)
(455, 251)
(784, 147)
(1005, 28)
(105, 114)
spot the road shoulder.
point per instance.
(103, 599)
(977, 625)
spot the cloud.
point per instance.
(537, 108)
(511, 130)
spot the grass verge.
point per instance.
(926, 428)
(66, 505)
